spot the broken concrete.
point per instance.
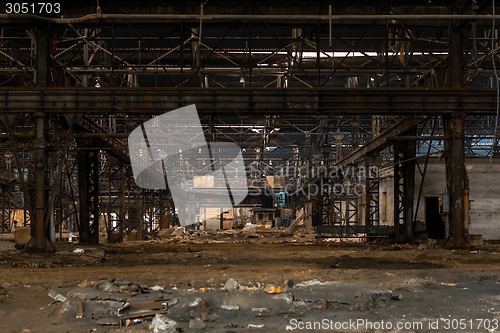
(94, 294)
(337, 292)
(231, 285)
(162, 324)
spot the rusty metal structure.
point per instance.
(328, 85)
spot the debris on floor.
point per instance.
(230, 307)
(162, 324)
(231, 285)
(226, 287)
(115, 302)
(249, 233)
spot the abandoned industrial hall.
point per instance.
(237, 166)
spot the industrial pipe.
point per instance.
(266, 18)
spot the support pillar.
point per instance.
(338, 136)
(455, 169)
(39, 241)
(454, 128)
(122, 203)
(88, 186)
(162, 209)
(404, 188)
(355, 125)
(316, 194)
(4, 220)
(372, 164)
(38, 225)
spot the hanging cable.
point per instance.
(494, 141)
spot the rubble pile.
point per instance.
(250, 233)
(186, 235)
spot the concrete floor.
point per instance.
(369, 288)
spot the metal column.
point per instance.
(372, 164)
(454, 127)
(316, 195)
(455, 168)
(88, 186)
(39, 240)
(404, 188)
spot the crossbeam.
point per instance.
(382, 141)
(251, 101)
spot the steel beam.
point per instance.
(381, 141)
(250, 101)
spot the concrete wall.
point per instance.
(484, 190)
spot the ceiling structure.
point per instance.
(283, 81)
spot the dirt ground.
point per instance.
(444, 290)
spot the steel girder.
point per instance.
(250, 101)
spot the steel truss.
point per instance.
(280, 86)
